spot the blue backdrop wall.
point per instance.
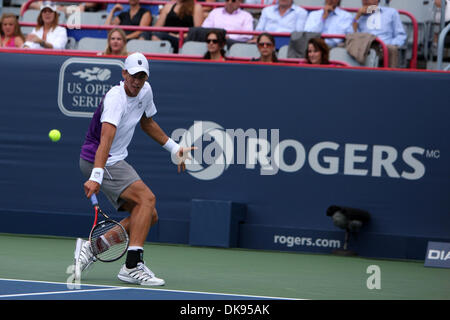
(288, 142)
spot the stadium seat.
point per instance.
(341, 54)
(92, 44)
(244, 50)
(283, 52)
(423, 12)
(92, 18)
(149, 46)
(71, 43)
(194, 48)
(29, 16)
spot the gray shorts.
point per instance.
(115, 179)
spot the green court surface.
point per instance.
(233, 271)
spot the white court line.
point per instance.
(56, 292)
(156, 290)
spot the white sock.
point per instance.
(135, 248)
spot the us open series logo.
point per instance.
(83, 82)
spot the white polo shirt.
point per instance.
(124, 113)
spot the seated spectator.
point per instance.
(117, 43)
(216, 42)
(266, 48)
(135, 16)
(330, 20)
(47, 34)
(231, 17)
(318, 51)
(154, 9)
(179, 13)
(282, 17)
(11, 35)
(384, 23)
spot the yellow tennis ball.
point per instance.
(54, 135)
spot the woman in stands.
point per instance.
(179, 13)
(11, 36)
(136, 16)
(47, 34)
(317, 52)
(266, 48)
(117, 43)
(216, 42)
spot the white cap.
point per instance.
(48, 4)
(135, 63)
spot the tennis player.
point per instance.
(102, 161)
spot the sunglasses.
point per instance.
(212, 40)
(265, 45)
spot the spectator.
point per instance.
(179, 13)
(135, 16)
(330, 20)
(117, 43)
(47, 34)
(231, 17)
(384, 23)
(216, 42)
(154, 9)
(266, 48)
(282, 17)
(437, 3)
(318, 51)
(10, 33)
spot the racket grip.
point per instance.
(94, 200)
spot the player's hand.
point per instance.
(182, 155)
(91, 187)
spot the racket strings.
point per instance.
(109, 241)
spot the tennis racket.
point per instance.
(109, 239)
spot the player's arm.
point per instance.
(152, 128)
(101, 156)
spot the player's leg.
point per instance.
(140, 202)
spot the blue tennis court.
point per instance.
(14, 289)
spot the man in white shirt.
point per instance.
(102, 161)
(330, 20)
(231, 17)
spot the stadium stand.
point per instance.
(419, 44)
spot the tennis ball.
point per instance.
(54, 135)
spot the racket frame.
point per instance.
(96, 223)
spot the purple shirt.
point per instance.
(92, 140)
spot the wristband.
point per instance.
(97, 175)
(171, 146)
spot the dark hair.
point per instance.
(272, 40)
(321, 45)
(222, 41)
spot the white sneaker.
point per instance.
(139, 275)
(83, 257)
